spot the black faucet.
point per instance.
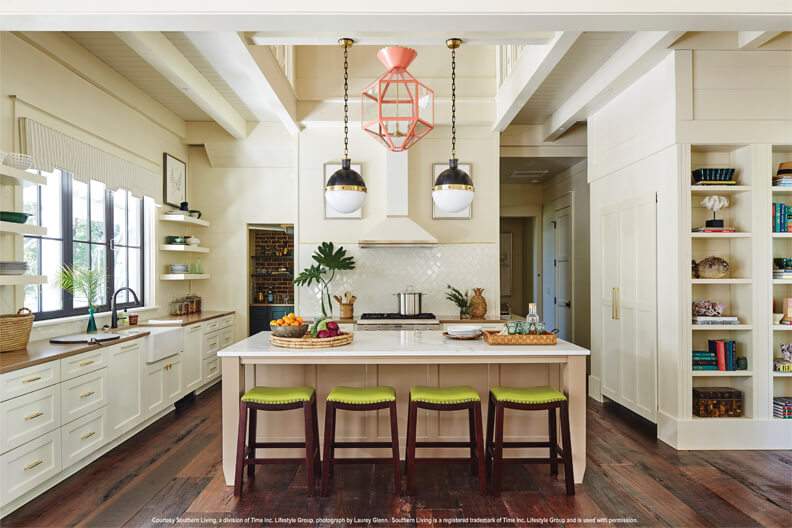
(114, 310)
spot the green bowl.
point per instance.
(13, 216)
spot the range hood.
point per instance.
(397, 230)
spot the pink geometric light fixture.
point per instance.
(397, 109)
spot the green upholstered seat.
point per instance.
(278, 395)
(444, 395)
(362, 395)
(527, 395)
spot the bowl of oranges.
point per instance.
(289, 325)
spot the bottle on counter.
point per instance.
(270, 297)
(123, 319)
(532, 320)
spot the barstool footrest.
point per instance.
(350, 445)
(443, 444)
(278, 445)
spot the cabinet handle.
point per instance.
(31, 380)
(127, 347)
(33, 416)
(87, 435)
(212, 369)
(86, 363)
(615, 304)
(33, 464)
(86, 394)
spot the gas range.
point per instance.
(395, 321)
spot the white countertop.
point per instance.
(422, 346)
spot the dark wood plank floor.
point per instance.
(172, 471)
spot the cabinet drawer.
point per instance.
(26, 467)
(83, 436)
(83, 394)
(74, 366)
(211, 368)
(24, 418)
(211, 344)
(226, 337)
(225, 321)
(211, 326)
(22, 381)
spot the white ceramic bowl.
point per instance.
(464, 330)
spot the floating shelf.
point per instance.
(722, 373)
(782, 189)
(782, 374)
(782, 235)
(722, 189)
(181, 219)
(720, 328)
(22, 229)
(184, 276)
(183, 248)
(722, 235)
(722, 281)
(782, 281)
(782, 328)
(22, 280)
(10, 175)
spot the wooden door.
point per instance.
(563, 272)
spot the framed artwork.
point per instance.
(437, 214)
(329, 212)
(506, 263)
(174, 180)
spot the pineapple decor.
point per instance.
(478, 304)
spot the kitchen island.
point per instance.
(402, 359)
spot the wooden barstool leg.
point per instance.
(412, 422)
(332, 441)
(498, 451)
(251, 447)
(569, 475)
(482, 473)
(490, 427)
(317, 447)
(472, 438)
(240, 458)
(328, 442)
(308, 410)
(552, 433)
(394, 425)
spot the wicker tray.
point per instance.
(312, 342)
(493, 337)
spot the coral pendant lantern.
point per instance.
(398, 109)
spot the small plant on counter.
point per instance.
(329, 260)
(83, 284)
(461, 300)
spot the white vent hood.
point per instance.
(397, 230)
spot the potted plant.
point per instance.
(83, 284)
(328, 260)
(461, 300)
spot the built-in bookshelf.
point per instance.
(780, 383)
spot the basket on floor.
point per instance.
(15, 330)
(312, 342)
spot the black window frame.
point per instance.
(67, 249)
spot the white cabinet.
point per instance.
(74, 366)
(124, 376)
(23, 381)
(173, 379)
(83, 436)
(83, 394)
(29, 465)
(162, 383)
(192, 357)
(24, 418)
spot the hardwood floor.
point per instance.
(172, 470)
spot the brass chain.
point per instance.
(346, 102)
(453, 103)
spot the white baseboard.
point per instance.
(595, 388)
(724, 433)
(667, 429)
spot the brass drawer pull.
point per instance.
(31, 380)
(33, 464)
(86, 394)
(33, 416)
(86, 363)
(87, 435)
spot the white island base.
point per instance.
(402, 359)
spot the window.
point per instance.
(88, 227)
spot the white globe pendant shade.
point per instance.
(452, 200)
(345, 201)
(453, 190)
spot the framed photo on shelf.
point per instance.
(464, 214)
(329, 212)
(174, 180)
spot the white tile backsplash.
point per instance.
(382, 272)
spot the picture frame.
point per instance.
(329, 213)
(437, 214)
(174, 180)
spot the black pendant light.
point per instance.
(453, 190)
(345, 190)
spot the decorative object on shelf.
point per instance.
(782, 218)
(777, 318)
(782, 407)
(783, 177)
(176, 240)
(707, 312)
(461, 300)
(787, 311)
(14, 217)
(193, 241)
(328, 261)
(13, 267)
(17, 160)
(347, 305)
(721, 355)
(178, 268)
(15, 330)
(84, 284)
(717, 402)
(782, 268)
(478, 304)
(184, 207)
(453, 189)
(345, 190)
(710, 268)
(714, 176)
(715, 203)
(330, 170)
(397, 109)
(174, 181)
(189, 304)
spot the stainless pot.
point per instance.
(409, 302)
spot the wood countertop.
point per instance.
(43, 351)
(186, 320)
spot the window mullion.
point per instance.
(110, 253)
(68, 235)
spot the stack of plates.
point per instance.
(464, 331)
(179, 268)
(12, 267)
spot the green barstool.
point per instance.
(359, 399)
(276, 399)
(529, 399)
(460, 398)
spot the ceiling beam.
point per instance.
(388, 38)
(532, 68)
(253, 74)
(163, 56)
(755, 39)
(635, 57)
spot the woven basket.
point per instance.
(15, 330)
(493, 337)
(312, 342)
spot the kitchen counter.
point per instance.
(43, 351)
(187, 320)
(402, 359)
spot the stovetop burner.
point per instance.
(396, 316)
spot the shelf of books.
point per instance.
(781, 342)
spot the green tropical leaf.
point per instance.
(333, 259)
(310, 275)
